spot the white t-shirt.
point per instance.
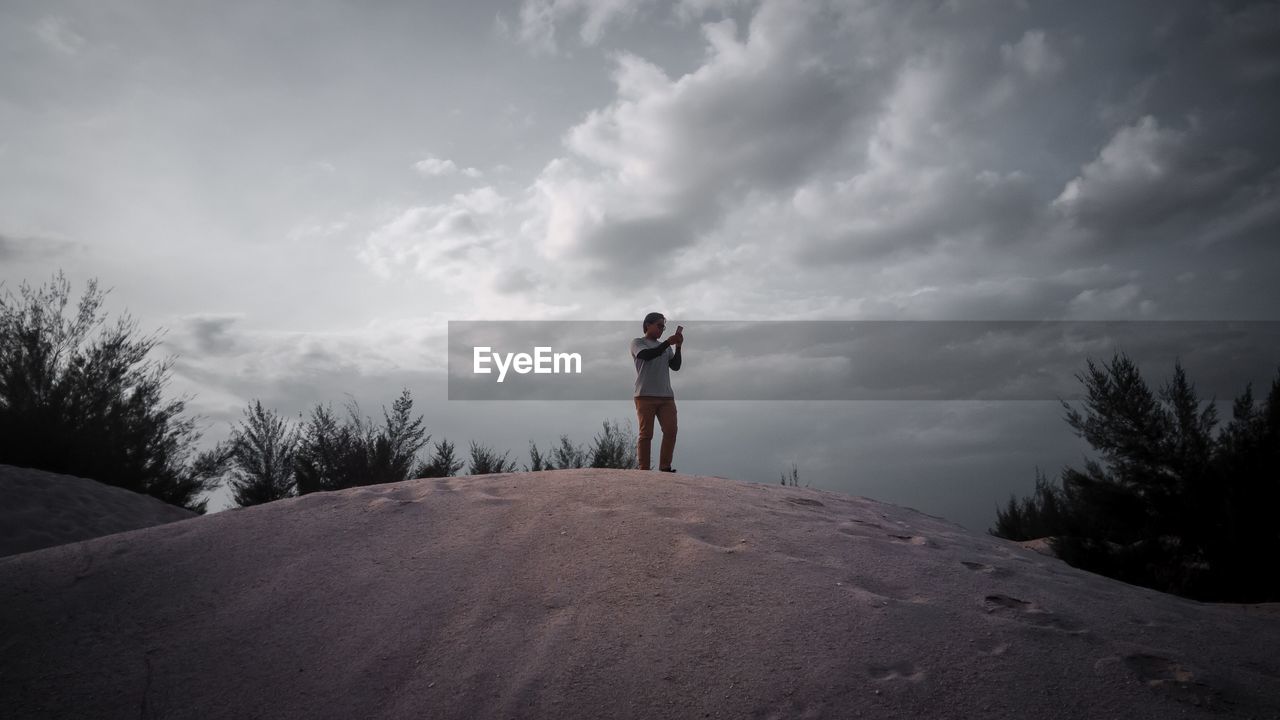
(653, 377)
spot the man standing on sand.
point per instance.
(653, 394)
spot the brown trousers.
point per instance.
(665, 408)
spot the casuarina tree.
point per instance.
(1169, 503)
(83, 397)
(333, 454)
(443, 462)
(261, 457)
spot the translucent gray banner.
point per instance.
(853, 360)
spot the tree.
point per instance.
(537, 461)
(443, 462)
(793, 479)
(1245, 541)
(613, 447)
(393, 451)
(93, 406)
(322, 459)
(1037, 516)
(1135, 519)
(333, 455)
(567, 456)
(261, 456)
(485, 460)
(1170, 503)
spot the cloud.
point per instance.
(1247, 37)
(537, 22)
(661, 163)
(316, 231)
(14, 248)
(1148, 177)
(57, 34)
(1032, 55)
(423, 237)
(689, 10)
(438, 167)
(857, 157)
(212, 333)
(1121, 302)
(898, 156)
(228, 364)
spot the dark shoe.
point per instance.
(667, 469)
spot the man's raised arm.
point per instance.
(650, 353)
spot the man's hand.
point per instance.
(677, 339)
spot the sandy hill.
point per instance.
(41, 509)
(604, 594)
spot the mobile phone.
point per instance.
(679, 328)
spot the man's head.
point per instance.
(654, 324)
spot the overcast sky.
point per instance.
(304, 194)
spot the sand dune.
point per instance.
(602, 593)
(41, 509)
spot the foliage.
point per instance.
(791, 479)
(443, 462)
(333, 455)
(80, 397)
(567, 456)
(1037, 516)
(1171, 504)
(325, 456)
(537, 461)
(261, 457)
(613, 447)
(486, 461)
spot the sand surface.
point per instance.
(41, 509)
(599, 594)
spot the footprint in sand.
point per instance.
(1172, 678)
(897, 671)
(913, 540)
(989, 646)
(1028, 612)
(991, 570)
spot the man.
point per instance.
(653, 395)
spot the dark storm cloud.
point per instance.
(880, 132)
(764, 112)
(212, 335)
